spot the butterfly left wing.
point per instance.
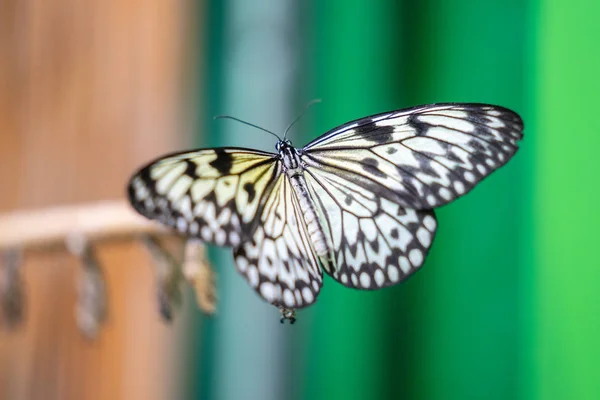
(212, 194)
(279, 261)
(422, 157)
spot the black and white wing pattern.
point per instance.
(377, 179)
(375, 242)
(421, 157)
(279, 261)
(238, 198)
(212, 194)
(362, 195)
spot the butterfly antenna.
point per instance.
(246, 123)
(310, 103)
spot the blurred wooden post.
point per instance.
(88, 91)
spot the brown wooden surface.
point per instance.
(88, 91)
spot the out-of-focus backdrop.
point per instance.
(507, 305)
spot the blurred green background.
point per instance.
(506, 306)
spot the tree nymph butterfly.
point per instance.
(356, 202)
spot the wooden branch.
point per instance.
(29, 229)
(108, 220)
(200, 275)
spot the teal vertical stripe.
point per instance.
(202, 375)
(251, 75)
(257, 86)
(566, 309)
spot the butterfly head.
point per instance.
(282, 144)
(290, 157)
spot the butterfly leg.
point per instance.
(287, 313)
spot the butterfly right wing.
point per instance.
(212, 194)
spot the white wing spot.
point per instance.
(365, 280)
(481, 168)
(344, 278)
(234, 238)
(242, 263)
(424, 237)
(181, 224)
(253, 276)
(220, 238)
(354, 280)
(431, 200)
(459, 187)
(140, 189)
(288, 298)
(490, 162)
(267, 290)
(469, 176)
(298, 296)
(416, 257)
(194, 228)
(206, 233)
(445, 193)
(495, 122)
(379, 277)
(185, 207)
(393, 273)
(308, 295)
(315, 286)
(404, 265)
(501, 157)
(429, 222)
(148, 203)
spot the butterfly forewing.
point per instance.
(422, 157)
(212, 194)
(279, 261)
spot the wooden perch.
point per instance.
(199, 274)
(61, 227)
(49, 227)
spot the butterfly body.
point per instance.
(293, 167)
(357, 201)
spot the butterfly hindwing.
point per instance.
(375, 242)
(279, 261)
(211, 194)
(423, 157)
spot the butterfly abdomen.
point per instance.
(294, 169)
(313, 223)
(293, 166)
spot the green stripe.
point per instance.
(354, 70)
(467, 333)
(507, 305)
(566, 309)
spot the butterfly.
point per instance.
(357, 202)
